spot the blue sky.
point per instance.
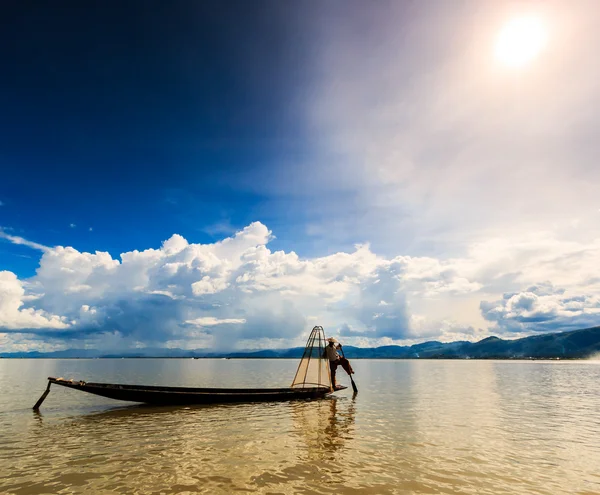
(392, 178)
(146, 120)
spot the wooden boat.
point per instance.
(185, 395)
(312, 381)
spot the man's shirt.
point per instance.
(332, 353)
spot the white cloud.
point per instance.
(14, 316)
(208, 286)
(19, 240)
(72, 225)
(209, 321)
(543, 309)
(239, 291)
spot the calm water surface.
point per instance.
(415, 427)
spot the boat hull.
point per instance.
(184, 395)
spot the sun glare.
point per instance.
(520, 41)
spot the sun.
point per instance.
(520, 41)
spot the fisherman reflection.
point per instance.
(339, 428)
(325, 426)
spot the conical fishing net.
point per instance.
(313, 370)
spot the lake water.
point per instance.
(415, 427)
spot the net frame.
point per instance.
(313, 357)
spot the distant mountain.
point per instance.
(574, 344)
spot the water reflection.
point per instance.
(325, 426)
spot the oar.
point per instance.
(44, 395)
(351, 379)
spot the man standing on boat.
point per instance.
(335, 359)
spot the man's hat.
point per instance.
(332, 339)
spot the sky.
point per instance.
(227, 175)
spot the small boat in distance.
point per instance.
(312, 381)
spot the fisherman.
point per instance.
(335, 359)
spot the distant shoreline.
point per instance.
(571, 345)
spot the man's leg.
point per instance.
(332, 368)
(346, 365)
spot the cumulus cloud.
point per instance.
(380, 305)
(239, 292)
(543, 308)
(12, 313)
(233, 290)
